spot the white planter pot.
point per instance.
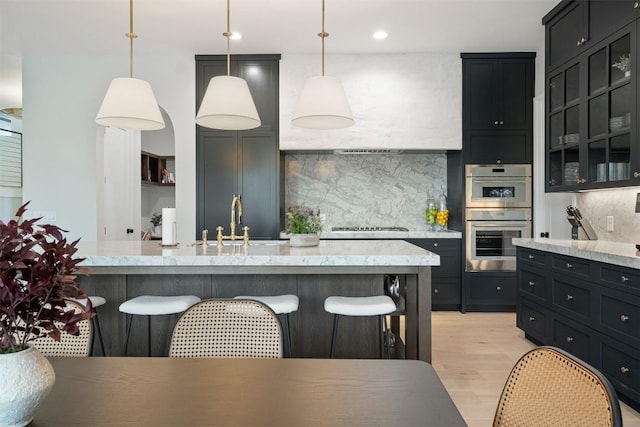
(27, 378)
(303, 240)
(157, 231)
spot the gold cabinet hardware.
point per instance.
(501, 122)
(569, 297)
(636, 5)
(624, 279)
(435, 290)
(498, 288)
(569, 339)
(435, 245)
(624, 369)
(636, 174)
(569, 265)
(532, 284)
(531, 318)
(495, 123)
(624, 317)
(531, 256)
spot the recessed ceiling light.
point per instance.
(380, 35)
(235, 36)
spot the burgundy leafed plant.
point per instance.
(37, 274)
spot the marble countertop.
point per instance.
(617, 253)
(336, 235)
(262, 253)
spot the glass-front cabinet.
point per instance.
(591, 113)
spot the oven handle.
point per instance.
(499, 224)
(498, 180)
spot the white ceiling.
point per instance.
(32, 27)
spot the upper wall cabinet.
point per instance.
(497, 91)
(497, 107)
(591, 105)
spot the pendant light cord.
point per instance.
(227, 34)
(323, 35)
(131, 35)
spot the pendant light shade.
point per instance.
(228, 105)
(130, 104)
(323, 105)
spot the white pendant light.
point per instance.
(323, 103)
(130, 103)
(227, 104)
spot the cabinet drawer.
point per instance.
(618, 276)
(532, 257)
(532, 321)
(572, 298)
(449, 251)
(571, 339)
(445, 291)
(571, 266)
(533, 284)
(621, 314)
(622, 368)
(485, 288)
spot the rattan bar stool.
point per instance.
(69, 345)
(96, 301)
(153, 305)
(379, 305)
(280, 304)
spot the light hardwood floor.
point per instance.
(473, 354)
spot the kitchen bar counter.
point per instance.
(122, 270)
(617, 253)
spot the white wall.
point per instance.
(408, 101)
(61, 96)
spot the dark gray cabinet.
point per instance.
(566, 31)
(446, 278)
(591, 98)
(490, 291)
(590, 309)
(497, 107)
(240, 162)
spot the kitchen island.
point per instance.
(122, 270)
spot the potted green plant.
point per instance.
(156, 221)
(304, 226)
(624, 64)
(37, 276)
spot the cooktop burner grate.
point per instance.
(369, 229)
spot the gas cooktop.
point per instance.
(369, 229)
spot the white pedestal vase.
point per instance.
(27, 378)
(304, 240)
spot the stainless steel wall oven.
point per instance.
(498, 208)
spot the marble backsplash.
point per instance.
(366, 190)
(619, 203)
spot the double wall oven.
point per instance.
(497, 209)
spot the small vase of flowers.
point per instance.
(37, 276)
(624, 64)
(156, 221)
(304, 226)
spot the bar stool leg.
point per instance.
(96, 322)
(128, 321)
(333, 335)
(148, 336)
(385, 337)
(289, 335)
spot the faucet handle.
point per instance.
(205, 234)
(245, 235)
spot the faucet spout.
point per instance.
(236, 204)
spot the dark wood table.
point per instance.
(118, 391)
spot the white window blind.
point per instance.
(10, 159)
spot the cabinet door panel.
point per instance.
(480, 94)
(217, 180)
(608, 16)
(262, 79)
(498, 147)
(516, 95)
(563, 34)
(258, 185)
